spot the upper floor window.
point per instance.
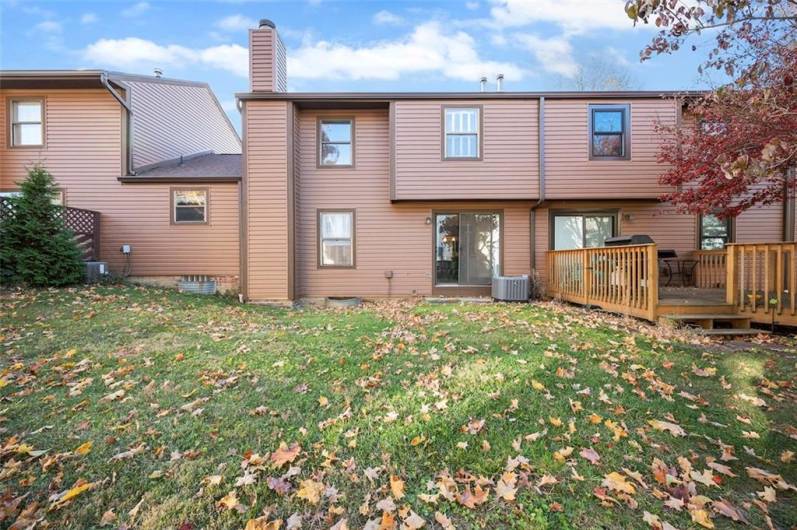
(715, 233)
(190, 206)
(336, 143)
(609, 132)
(27, 122)
(462, 136)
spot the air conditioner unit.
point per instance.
(96, 271)
(511, 288)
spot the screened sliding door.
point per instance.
(467, 249)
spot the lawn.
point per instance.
(128, 407)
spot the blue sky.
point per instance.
(338, 45)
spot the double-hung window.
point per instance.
(27, 122)
(336, 143)
(190, 206)
(609, 132)
(462, 133)
(336, 238)
(715, 233)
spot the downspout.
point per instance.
(541, 171)
(126, 106)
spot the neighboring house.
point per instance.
(157, 158)
(376, 194)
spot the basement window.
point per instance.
(189, 206)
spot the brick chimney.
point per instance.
(267, 69)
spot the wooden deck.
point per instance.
(735, 287)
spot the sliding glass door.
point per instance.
(467, 248)
(582, 231)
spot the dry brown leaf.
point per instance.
(396, 486)
(670, 427)
(285, 454)
(590, 454)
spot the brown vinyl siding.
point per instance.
(267, 61)
(173, 120)
(84, 154)
(267, 200)
(507, 168)
(760, 224)
(569, 172)
(389, 236)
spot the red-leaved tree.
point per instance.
(737, 146)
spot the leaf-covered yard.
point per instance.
(128, 407)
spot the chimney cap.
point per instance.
(264, 22)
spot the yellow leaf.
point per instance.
(84, 448)
(72, 493)
(310, 490)
(702, 518)
(229, 501)
(323, 401)
(417, 440)
(261, 524)
(672, 428)
(594, 419)
(536, 385)
(617, 482)
(108, 518)
(396, 486)
(556, 422)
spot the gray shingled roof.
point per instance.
(203, 165)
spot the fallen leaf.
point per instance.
(670, 427)
(617, 482)
(310, 490)
(396, 486)
(285, 454)
(590, 454)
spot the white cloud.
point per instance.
(385, 17)
(555, 55)
(236, 23)
(616, 56)
(136, 9)
(48, 27)
(573, 16)
(135, 53)
(88, 18)
(472, 5)
(427, 49)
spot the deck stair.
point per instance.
(714, 324)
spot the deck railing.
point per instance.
(762, 281)
(619, 279)
(710, 269)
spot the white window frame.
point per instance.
(175, 206)
(478, 133)
(12, 113)
(352, 239)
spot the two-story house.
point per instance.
(379, 194)
(157, 158)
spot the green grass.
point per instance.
(261, 372)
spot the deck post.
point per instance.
(730, 274)
(653, 283)
(587, 283)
